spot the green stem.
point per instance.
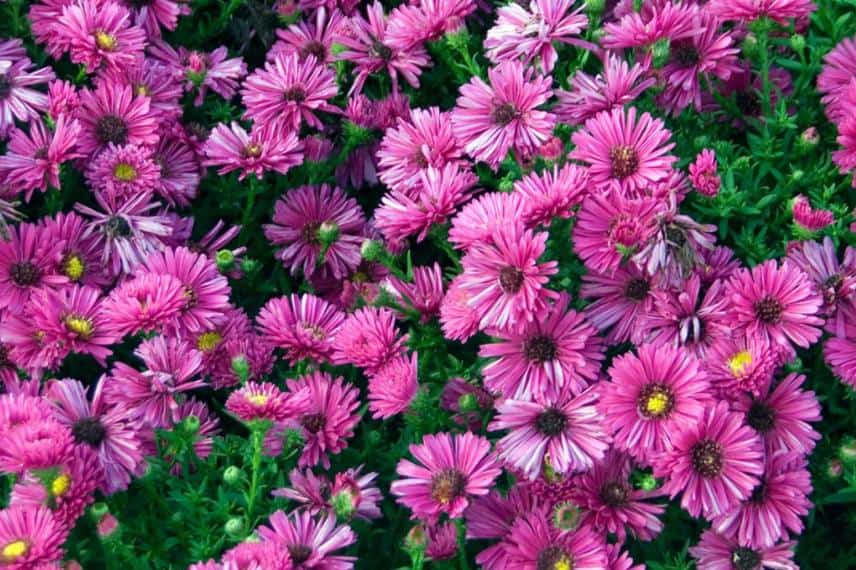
(417, 558)
(763, 47)
(257, 438)
(251, 200)
(462, 545)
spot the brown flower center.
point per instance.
(551, 422)
(510, 279)
(554, 558)
(707, 458)
(111, 129)
(760, 417)
(614, 493)
(300, 553)
(637, 289)
(685, 53)
(89, 431)
(504, 114)
(25, 273)
(745, 559)
(295, 93)
(313, 423)
(540, 349)
(448, 485)
(768, 310)
(624, 160)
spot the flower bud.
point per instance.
(234, 527)
(847, 451)
(191, 424)
(566, 516)
(468, 402)
(416, 538)
(371, 250)
(834, 468)
(328, 233)
(241, 368)
(798, 42)
(343, 505)
(225, 260)
(661, 53)
(232, 475)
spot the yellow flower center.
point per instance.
(106, 41)
(208, 341)
(258, 399)
(563, 563)
(657, 403)
(14, 550)
(740, 363)
(80, 325)
(253, 150)
(74, 267)
(125, 172)
(61, 485)
(142, 89)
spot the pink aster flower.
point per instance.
(264, 401)
(100, 33)
(552, 193)
(109, 431)
(27, 262)
(123, 171)
(154, 14)
(330, 419)
(621, 301)
(715, 462)
(505, 280)
(454, 469)
(179, 169)
(776, 303)
(618, 85)
(459, 320)
(257, 556)
(657, 21)
(21, 408)
(624, 152)
(311, 542)
(564, 432)
(63, 99)
(809, 218)
(491, 119)
(146, 303)
(442, 541)
(703, 175)
(559, 351)
(534, 543)
(611, 504)
(366, 46)
(368, 339)
(750, 10)
(304, 326)
(424, 294)
(485, 216)
(425, 139)
(298, 219)
(529, 34)
(33, 159)
(113, 114)
(715, 552)
(262, 149)
(18, 98)
(288, 91)
(774, 507)
(310, 37)
(316, 493)
(35, 446)
(203, 70)
(840, 356)
(31, 538)
(393, 386)
(740, 364)
(412, 24)
(650, 397)
(835, 79)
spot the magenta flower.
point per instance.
(621, 301)
(113, 114)
(253, 555)
(99, 33)
(18, 99)
(809, 218)
(35, 446)
(31, 538)
(310, 37)
(481, 218)
(368, 339)
(123, 171)
(27, 262)
(491, 119)
(748, 10)
(154, 14)
(146, 303)
(834, 80)
(424, 294)
(741, 364)
(260, 150)
(264, 401)
(703, 175)
(534, 543)
(412, 24)
(655, 22)
(840, 355)
(304, 326)
(552, 193)
(715, 552)
(454, 468)
(393, 386)
(310, 542)
(459, 320)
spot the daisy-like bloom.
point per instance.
(32, 160)
(687, 319)
(485, 216)
(529, 34)
(410, 25)
(491, 119)
(172, 366)
(703, 174)
(506, 284)
(552, 193)
(845, 158)
(262, 149)
(146, 303)
(656, 21)
(840, 356)
(611, 504)
(30, 537)
(437, 196)
(809, 218)
(393, 386)
(715, 462)
(617, 559)
(112, 113)
(310, 37)
(706, 55)
(368, 339)
(834, 80)
(609, 227)
(304, 326)
(534, 544)
(264, 401)
(62, 99)
(776, 303)
(424, 139)
(424, 294)
(317, 493)
(366, 46)
(719, 263)
(153, 14)
(621, 301)
(442, 541)
(618, 85)
(19, 408)
(101, 33)
(453, 470)
(624, 152)
(459, 320)
(203, 71)
(18, 99)
(27, 262)
(566, 433)
(35, 446)
(288, 91)
(558, 351)
(109, 431)
(775, 505)
(330, 420)
(310, 541)
(715, 552)
(257, 556)
(299, 219)
(749, 10)
(781, 415)
(739, 364)
(123, 171)
(206, 291)
(179, 170)
(650, 397)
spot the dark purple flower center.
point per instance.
(510, 279)
(656, 400)
(760, 417)
(624, 161)
(504, 114)
(295, 93)
(748, 102)
(768, 310)
(111, 129)
(745, 559)
(41, 152)
(117, 226)
(198, 131)
(420, 160)
(707, 458)
(614, 493)
(381, 51)
(540, 349)
(675, 235)
(685, 53)
(551, 422)
(637, 289)
(309, 233)
(554, 558)
(25, 273)
(300, 553)
(832, 288)
(5, 86)
(89, 431)
(313, 423)
(447, 485)
(316, 48)
(4, 357)
(759, 493)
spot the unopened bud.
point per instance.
(241, 368)
(468, 402)
(660, 53)
(416, 538)
(566, 516)
(343, 505)
(191, 424)
(798, 42)
(225, 260)
(371, 250)
(234, 527)
(232, 475)
(847, 451)
(328, 233)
